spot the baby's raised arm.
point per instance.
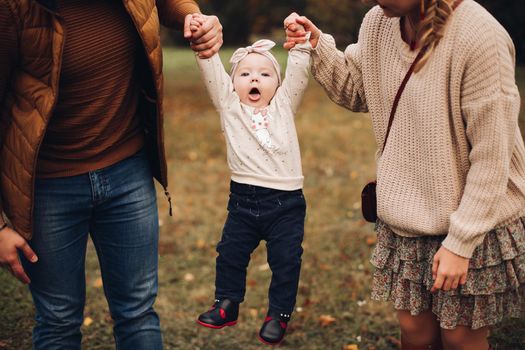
(339, 73)
(296, 77)
(218, 83)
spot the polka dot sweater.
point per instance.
(262, 145)
(455, 159)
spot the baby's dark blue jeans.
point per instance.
(254, 214)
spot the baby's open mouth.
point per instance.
(254, 94)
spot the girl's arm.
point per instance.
(340, 73)
(490, 105)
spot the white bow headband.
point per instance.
(261, 47)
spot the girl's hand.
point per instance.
(448, 270)
(296, 27)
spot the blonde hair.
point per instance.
(432, 27)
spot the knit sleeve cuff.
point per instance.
(304, 47)
(185, 8)
(325, 45)
(462, 247)
(173, 12)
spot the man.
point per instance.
(80, 142)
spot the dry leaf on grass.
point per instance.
(264, 267)
(192, 155)
(351, 347)
(201, 244)
(97, 283)
(372, 240)
(325, 267)
(326, 320)
(88, 321)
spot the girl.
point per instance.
(451, 180)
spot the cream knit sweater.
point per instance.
(262, 148)
(455, 159)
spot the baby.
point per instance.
(266, 200)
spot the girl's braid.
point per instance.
(432, 26)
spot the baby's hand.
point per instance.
(291, 24)
(296, 28)
(196, 22)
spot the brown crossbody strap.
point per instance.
(399, 92)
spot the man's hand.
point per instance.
(10, 242)
(296, 27)
(207, 39)
(448, 270)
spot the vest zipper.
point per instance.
(163, 175)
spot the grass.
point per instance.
(337, 150)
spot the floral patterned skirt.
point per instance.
(495, 286)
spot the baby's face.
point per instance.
(255, 80)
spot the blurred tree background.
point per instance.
(509, 13)
(246, 20)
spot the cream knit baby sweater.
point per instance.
(455, 160)
(262, 145)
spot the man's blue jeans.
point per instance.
(117, 207)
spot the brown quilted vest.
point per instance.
(32, 93)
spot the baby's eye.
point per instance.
(244, 74)
(265, 74)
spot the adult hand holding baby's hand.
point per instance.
(204, 33)
(197, 20)
(296, 27)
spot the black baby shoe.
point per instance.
(223, 313)
(274, 327)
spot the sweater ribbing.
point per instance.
(95, 122)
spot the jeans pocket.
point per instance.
(286, 201)
(291, 198)
(233, 203)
